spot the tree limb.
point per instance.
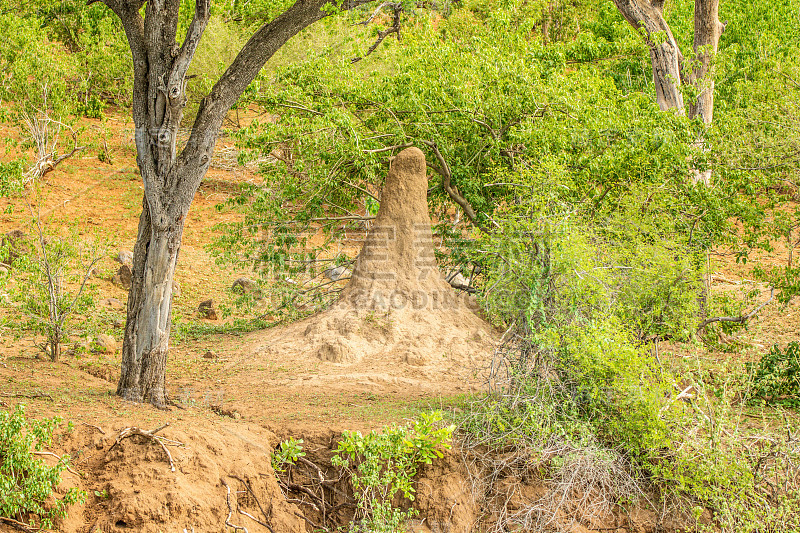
(243, 70)
(737, 319)
(443, 169)
(394, 28)
(186, 53)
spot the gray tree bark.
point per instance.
(707, 31)
(171, 177)
(665, 54)
(667, 59)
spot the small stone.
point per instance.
(123, 277)
(337, 273)
(209, 355)
(246, 286)
(206, 309)
(459, 281)
(112, 303)
(125, 257)
(176, 289)
(105, 343)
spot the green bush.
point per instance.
(53, 287)
(776, 377)
(287, 454)
(26, 482)
(384, 464)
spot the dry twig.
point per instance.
(70, 470)
(163, 441)
(230, 509)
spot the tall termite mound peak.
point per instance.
(397, 307)
(396, 268)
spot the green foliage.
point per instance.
(383, 465)
(11, 179)
(287, 454)
(53, 287)
(26, 482)
(776, 377)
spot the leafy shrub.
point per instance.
(776, 377)
(288, 453)
(384, 464)
(26, 482)
(54, 287)
(11, 179)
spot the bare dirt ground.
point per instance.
(234, 407)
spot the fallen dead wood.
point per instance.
(737, 319)
(98, 428)
(18, 525)
(163, 441)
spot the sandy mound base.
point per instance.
(434, 351)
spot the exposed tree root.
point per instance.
(18, 525)
(163, 441)
(253, 495)
(230, 509)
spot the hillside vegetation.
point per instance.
(647, 356)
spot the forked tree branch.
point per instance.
(394, 28)
(184, 58)
(246, 66)
(443, 169)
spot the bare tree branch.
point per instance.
(737, 319)
(394, 28)
(443, 169)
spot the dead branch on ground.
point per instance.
(98, 428)
(30, 395)
(737, 319)
(18, 525)
(151, 435)
(70, 470)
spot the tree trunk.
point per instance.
(707, 31)
(171, 178)
(664, 52)
(146, 342)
